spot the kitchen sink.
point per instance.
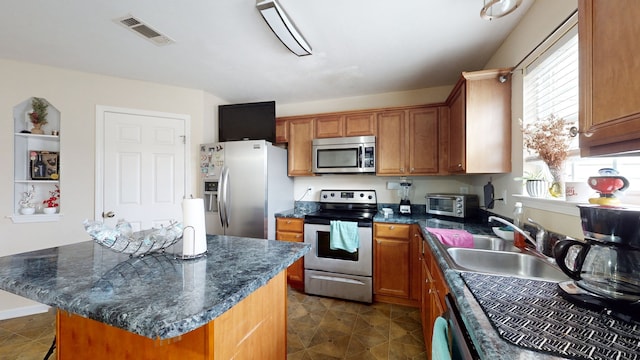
(485, 242)
(505, 263)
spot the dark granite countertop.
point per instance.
(156, 296)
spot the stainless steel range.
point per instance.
(336, 272)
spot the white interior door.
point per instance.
(142, 176)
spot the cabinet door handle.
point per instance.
(391, 227)
(108, 214)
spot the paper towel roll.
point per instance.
(194, 238)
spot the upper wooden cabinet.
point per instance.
(360, 124)
(609, 76)
(301, 132)
(282, 131)
(407, 142)
(329, 126)
(346, 124)
(478, 139)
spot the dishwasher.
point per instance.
(461, 345)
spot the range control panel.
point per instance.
(349, 196)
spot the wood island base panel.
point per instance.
(255, 328)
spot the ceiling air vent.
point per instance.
(139, 27)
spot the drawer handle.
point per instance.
(391, 227)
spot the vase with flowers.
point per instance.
(550, 139)
(38, 115)
(51, 204)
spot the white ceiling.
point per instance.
(224, 46)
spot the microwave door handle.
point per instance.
(361, 156)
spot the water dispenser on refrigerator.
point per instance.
(210, 195)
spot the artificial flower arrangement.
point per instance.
(550, 139)
(27, 198)
(52, 201)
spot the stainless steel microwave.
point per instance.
(355, 154)
(456, 205)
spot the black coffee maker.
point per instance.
(605, 268)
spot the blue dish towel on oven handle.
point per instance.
(343, 235)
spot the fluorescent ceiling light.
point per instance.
(283, 27)
(498, 8)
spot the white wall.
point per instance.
(420, 186)
(374, 101)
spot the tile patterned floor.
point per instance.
(323, 328)
(27, 337)
(318, 329)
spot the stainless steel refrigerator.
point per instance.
(245, 184)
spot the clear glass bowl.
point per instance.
(122, 239)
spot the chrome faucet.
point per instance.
(541, 236)
(515, 228)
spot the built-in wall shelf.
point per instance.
(19, 218)
(36, 162)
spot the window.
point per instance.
(551, 87)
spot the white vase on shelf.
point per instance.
(537, 188)
(50, 210)
(27, 210)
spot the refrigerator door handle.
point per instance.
(227, 198)
(221, 207)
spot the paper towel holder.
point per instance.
(183, 256)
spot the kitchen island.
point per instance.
(231, 303)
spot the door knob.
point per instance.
(108, 214)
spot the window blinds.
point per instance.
(551, 82)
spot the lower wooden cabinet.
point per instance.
(396, 264)
(289, 229)
(433, 289)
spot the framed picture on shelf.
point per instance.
(44, 165)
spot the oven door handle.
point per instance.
(337, 279)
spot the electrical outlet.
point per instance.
(393, 185)
(504, 197)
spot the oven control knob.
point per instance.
(324, 196)
(361, 194)
(333, 194)
(370, 197)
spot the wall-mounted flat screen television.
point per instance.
(249, 121)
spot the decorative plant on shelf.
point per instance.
(26, 203)
(535, 182)
(54, 197)
(27, 198)
(550, 139)
(39, 114)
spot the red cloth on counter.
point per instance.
(452, 237)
